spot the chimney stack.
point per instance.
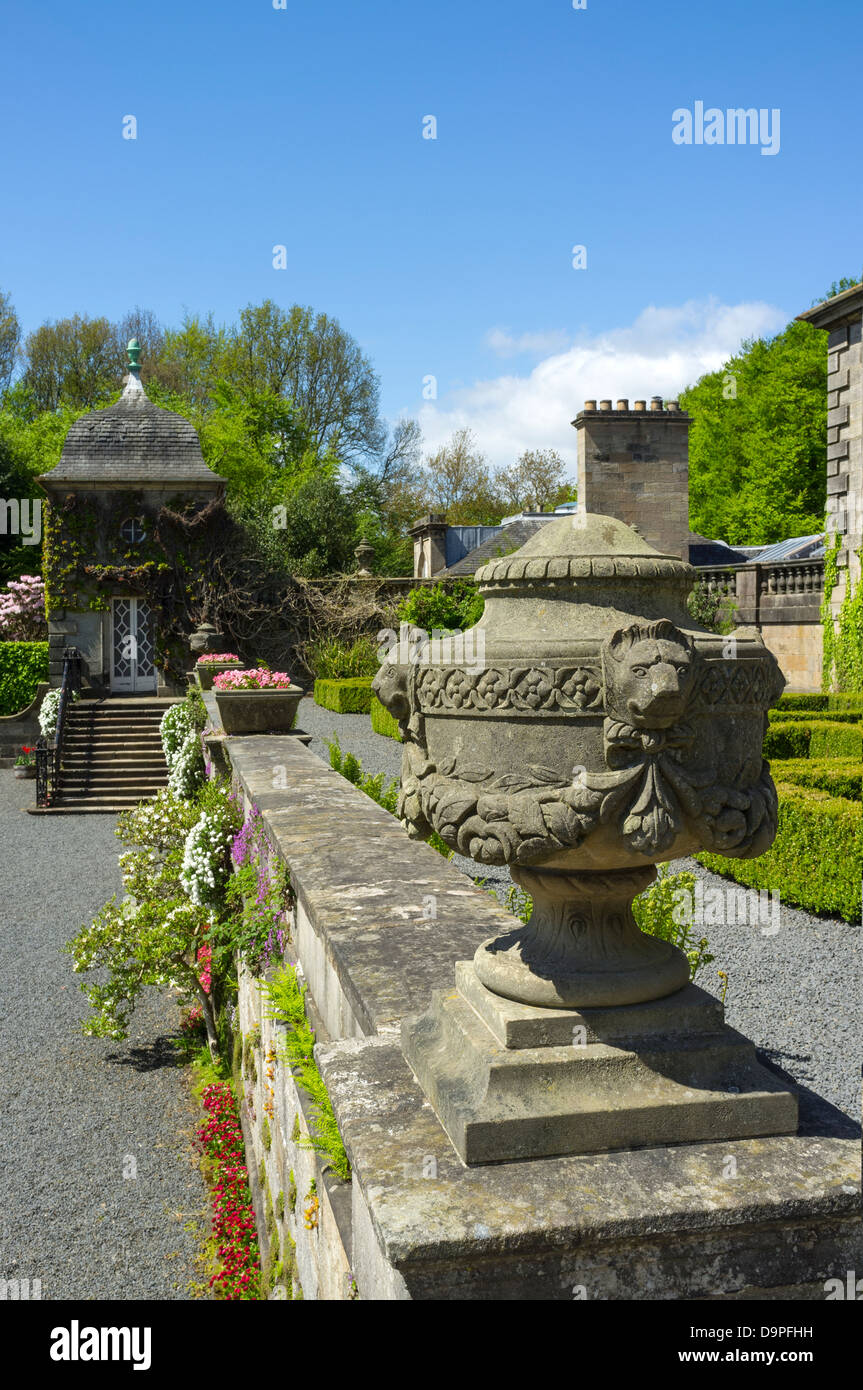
(634, 465)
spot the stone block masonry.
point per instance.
(842, 319)
(380, 923)
(634, 465)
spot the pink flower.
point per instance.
(252, 680)
(219, 656)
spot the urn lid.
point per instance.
(584, 546)
(578, 579)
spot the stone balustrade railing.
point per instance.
(789, 591)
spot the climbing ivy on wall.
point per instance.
(86, 561)
(843, 634)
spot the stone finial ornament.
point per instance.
(586, 729)
(364, 553)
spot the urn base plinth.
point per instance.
(582, 947)
(511, 1081)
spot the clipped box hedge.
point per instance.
(816, 738)
(837, 776)
(383, 722)
(831, 716)
(814, 862)
(22, 666)
(822, 703)
(351, 695)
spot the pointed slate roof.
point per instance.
(132, 442)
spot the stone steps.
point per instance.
(112, 756)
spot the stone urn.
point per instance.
(205, 672)
(205, 638)
(585, 730)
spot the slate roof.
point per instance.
(507, 539)
(133, 441)
(706, 552)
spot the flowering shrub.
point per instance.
(22, 610)
(49, 711)
(206, 860)
(252, 680)
(183, 750)
(221, 1139)
(205, 961)
(261, 893)
(206, 660)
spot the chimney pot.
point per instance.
(623, 405)
(605, 405)
(673, 405)
(655, 402)
(641, 405)
(590, 405)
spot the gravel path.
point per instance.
(76, 1110)
(796, 992)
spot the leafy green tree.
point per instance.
(457, 481)
(72, 362)
(310, 359)
(536, 482)
(10, 341)
(312, 534)
(758, 442)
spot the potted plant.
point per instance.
(25, 763)
(211, 664)
(256, 702)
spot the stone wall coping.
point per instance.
(364, 884)
(575, 1202)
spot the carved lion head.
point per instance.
(649, 672)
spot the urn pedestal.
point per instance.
(584, 731)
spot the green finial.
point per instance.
(134, 351)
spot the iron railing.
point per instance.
(49, 757)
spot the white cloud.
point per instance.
(506, 344)
(664, 350)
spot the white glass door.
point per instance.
(132, 652)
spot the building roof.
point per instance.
(132, 442)
(833, 312)
(503, 542)
(797, 548)
(704, 552)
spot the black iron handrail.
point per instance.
(49, 758)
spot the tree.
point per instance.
(758, 441)
(310, 359)
(536, 481)
(72, 362)
(10, 341)
(313, 533)
(457, 482)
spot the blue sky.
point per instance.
(451, 257)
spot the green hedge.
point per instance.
(817, 738)
(352, 695)
(22, 666)
(383, 722)
(809, 716)
(838, 776)
(814, 862)
(819, 702)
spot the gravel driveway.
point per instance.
(796, 992)
(77, 1112)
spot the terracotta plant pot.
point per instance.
(206, 671)
(258, 711)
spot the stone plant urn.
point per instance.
(24, 773)
(586, 729)
(206, 671)
(205, 638)
(258, 711)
